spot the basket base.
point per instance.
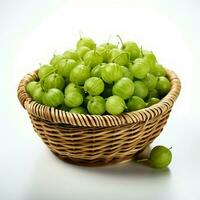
(143, 153)
(94, 163)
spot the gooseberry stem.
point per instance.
(95, 52)
(80, 34)
(54, 53)
(120, 40)
(108, 39)
(141, 51)
(51, 72)
(119, 55)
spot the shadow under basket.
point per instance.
(93, 140)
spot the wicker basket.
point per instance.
(98, 140)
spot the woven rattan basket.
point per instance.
(97, 140)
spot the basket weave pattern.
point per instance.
(97, 140)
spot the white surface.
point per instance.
(31, 31)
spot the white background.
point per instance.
(31, 31)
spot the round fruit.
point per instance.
(135, 103)
(56, 59)
(38, 94)
(150, 81)
(141, 89)
(78, 110)
(150, 58)
(115, 105)
(140, 68)
(54, 81)
(123, 88)
(86, 99)
(53, 97)
(96, 105)
(153, 94)
(157, 70)
(96, 71)
(119, 56)
(152, 101)
(160, 157)
(65, 67)
(31, 86)
(80, 74)
(126, 72)
(92, 58)
(131, 48)
(71, 87)
(71, 54)
(86, 42)
(82, 51)
(108, 46)
(94, 86)
(163, 85)
(104, 53)
(73, 99)
(45, 70)
(111, 72)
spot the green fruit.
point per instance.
(73, 99)
(123, 88)
(92, 58)
(86, 100)
(45, 70)
(152, 94)
(96, 71)
(150, 58)
(140, 68)
(115, 105)
(157, 70)
(135, 103)
(160, 157)
(86, 42)
(80, 74)
(152, 101)
(31, 86)
(56, 59)
(65, 67)
(71, 87)
(71, 54)
(94, 86)
(104, 53)
(126, 72)
(141, 89)
(96, 105)
(53, 97)
(111, 72)
(82, 51)
(54, 81)
(131, 48)
(119, 56)
(78, 110)
(163, 85)
(150, 81)
(108, 46)
(38, 94)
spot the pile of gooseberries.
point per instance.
(104, 79)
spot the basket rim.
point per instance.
(55, 115)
